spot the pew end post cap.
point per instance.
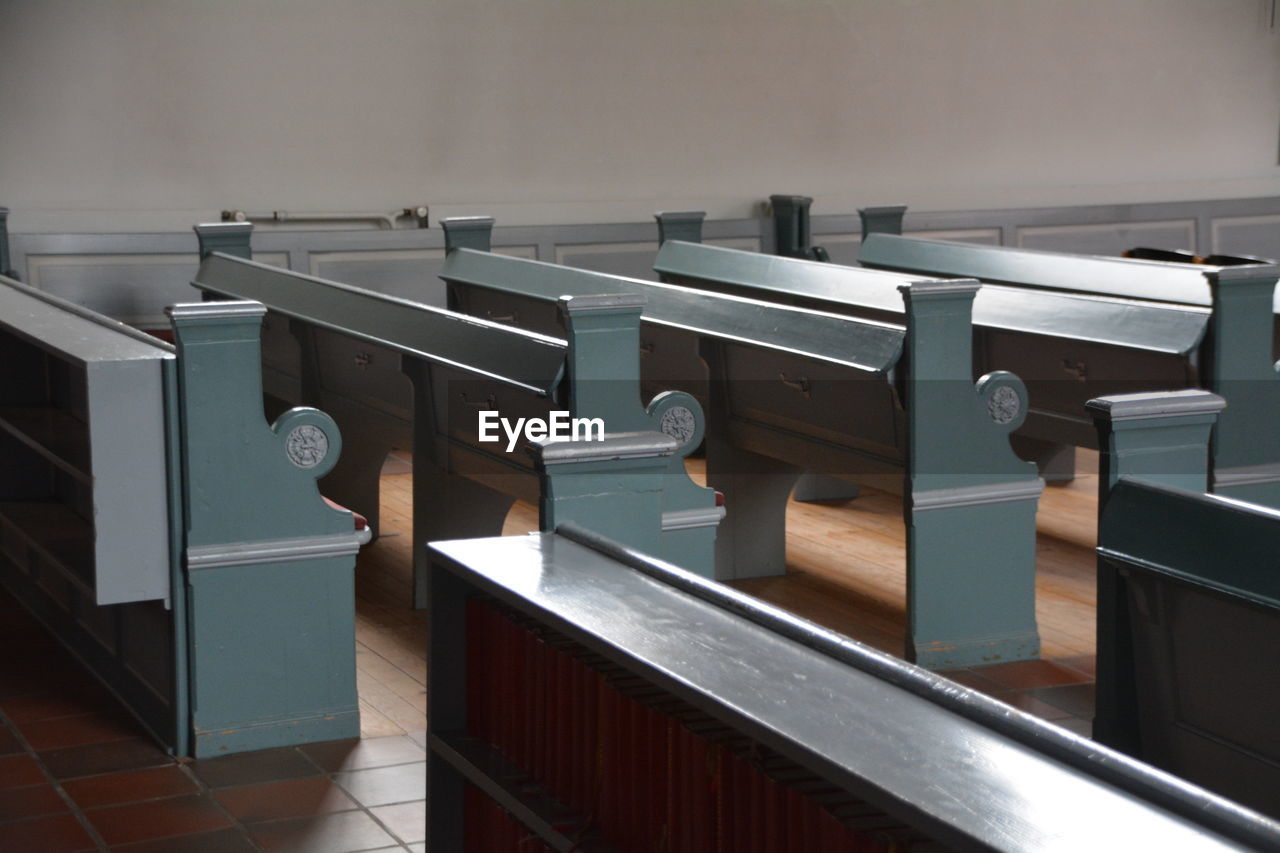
(882, 219)
(231, 238)
(468, 232)
(601, 302)
(1188, 402)
(614, 446)
(683, 225)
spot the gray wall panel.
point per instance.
(1247, 235)
(1109, 238)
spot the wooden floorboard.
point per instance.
(845, 570)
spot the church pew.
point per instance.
(1068, 348)
(570, 723)
(1236, 356)
(1188, 604)
(395, 373)
(1148, 253)
(169, 535)
(789, 390)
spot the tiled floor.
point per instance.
(77, 774)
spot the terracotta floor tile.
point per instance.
(158, 819)
(407, 821)
(386, 785)
(37, 800)
(250, 768)
(78, 731)
(223, 841)
(60, 703)
(336, 833)
(291, 798)
(56, 834)
(18, 771)
(9, 741)
(1026, 674)
(339, 755)
(97, 758)
(1084, 663)
(131, 787)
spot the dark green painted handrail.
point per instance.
(1158, 328)
(524, 359)
(865, 344)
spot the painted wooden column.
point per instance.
(683, 225)
(611, 487)
(1159, 438)
(269, 565)
(969, 502)
(1238, 365)
(604, 373)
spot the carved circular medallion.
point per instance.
(306, 446)
(679, 423)
(1004, 404)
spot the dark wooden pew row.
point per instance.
(395, 373)
(166, 533)
(1067, 348)
(1188, 604)
(1179, 256)
(792, 390)
(572, 723)
(1236, 357)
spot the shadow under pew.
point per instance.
(790, 389)
(395, 373)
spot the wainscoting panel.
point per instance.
(1246, 235)
(1109, 238)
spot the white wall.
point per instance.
(559, 111)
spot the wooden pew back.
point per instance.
(1188, 604)
(739, 726)
(789, 389)
(460, 367)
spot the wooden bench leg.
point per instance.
(356, 480)
(752, 539)
(447, 506)
(1056, 463)
(971, 586)
(820, 487)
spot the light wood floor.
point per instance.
(845, 570)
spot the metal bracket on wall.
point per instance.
(387, 221)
